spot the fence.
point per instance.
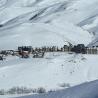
(66, 49)
(91, 50)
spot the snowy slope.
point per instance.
(48, 72)
(42, 35)
(86, 90)
(47, 23)
(46, 12)
(49, 17)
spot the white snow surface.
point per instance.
(52, 22)
(49, 72)
(46, 23)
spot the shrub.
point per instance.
(21, 90)
(64, 85)
(41, 90)
(2, 92)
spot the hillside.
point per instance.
(40, 23)
(86, 90)
(19, 27)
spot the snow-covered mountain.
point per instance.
(36, 22)
(47, 23)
